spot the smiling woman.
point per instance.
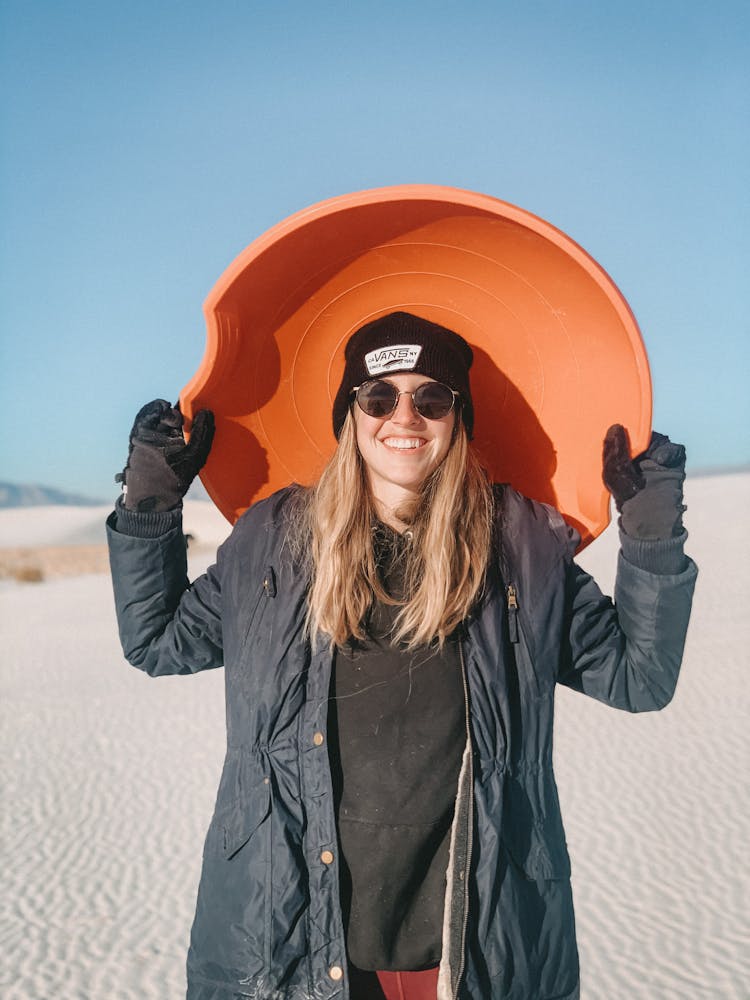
(387, 823)
(401, 448)
(403, 459)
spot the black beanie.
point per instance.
(402, 342)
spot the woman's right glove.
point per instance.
(647, 489)
(161, 466)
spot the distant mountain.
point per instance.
(26, 495)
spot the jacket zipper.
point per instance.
(470, 822)
(269, 589)
(512, 595)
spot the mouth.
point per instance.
(404, 443)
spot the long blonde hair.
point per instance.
(446, 562)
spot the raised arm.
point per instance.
(167, 625)
(629, 654)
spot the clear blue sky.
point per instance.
(145, 144)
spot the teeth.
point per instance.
(404, 443)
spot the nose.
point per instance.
(405, 412)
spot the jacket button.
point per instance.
(336, 972)
(327, 857)
(318, 739)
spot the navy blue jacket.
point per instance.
(268, 922)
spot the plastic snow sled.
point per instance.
(558, 354)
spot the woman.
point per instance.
(387, 821)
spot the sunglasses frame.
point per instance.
(403, 392)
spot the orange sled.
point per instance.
(558, 354)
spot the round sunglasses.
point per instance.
(431, 400)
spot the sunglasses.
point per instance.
(431, 400)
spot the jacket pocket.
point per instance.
(532, 832)
(540, 855)
(259, 601)
(235, 823)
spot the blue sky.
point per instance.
(145, 144)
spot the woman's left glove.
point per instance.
(161, 466)
(647, 489)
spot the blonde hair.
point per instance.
(446, 562)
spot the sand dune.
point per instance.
(110, 779)
(44, 543)
(36, 526)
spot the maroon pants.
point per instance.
(393, 985)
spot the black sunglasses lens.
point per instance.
(433, 400)
(377, 399)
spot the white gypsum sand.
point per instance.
(45, 543)
(110, 779)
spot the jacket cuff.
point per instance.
(151, 525)
(663, 557)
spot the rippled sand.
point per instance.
(109, 780)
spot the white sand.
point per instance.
(110, 778)
(85, 525)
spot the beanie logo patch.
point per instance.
(397, 357)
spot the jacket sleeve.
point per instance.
(166, 624)
(627, 653)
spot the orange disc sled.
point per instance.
(558, 356)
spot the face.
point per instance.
(401, 450)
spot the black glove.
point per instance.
(160, 466)
(647, 489)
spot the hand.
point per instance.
(647, 489)
(160, 466)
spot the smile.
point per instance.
(404, 444)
